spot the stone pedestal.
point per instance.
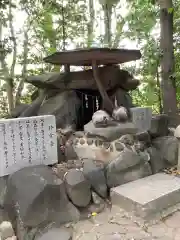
(141, 118)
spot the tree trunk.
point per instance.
(158, 85)
(9, 74)
(167, 61)
(107, 24)
(6, 77)
(91, 23)
(107, 6)
(1, 47)
(9, 87)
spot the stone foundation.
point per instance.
(111, 150)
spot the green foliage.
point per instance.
(54, 25)
(170, 10)
(141, 19)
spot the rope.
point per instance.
(85, 93)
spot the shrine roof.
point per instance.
(85, 57)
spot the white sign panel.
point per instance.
(26, 142)
(141, 117)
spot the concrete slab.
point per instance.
(148, 196)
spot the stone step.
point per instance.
(148, 196)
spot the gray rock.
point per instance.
(11, 238)
(16, 112)
(3, 215)
(168, 148)
(55, 234)
(82, 141)
(157, 162)
(64, 167)
(3, 189)
(98, 150)
(22, 231)
(171, 131)
(123, 98)
(46, 229)
(126, 159)
(139, 147)
(70, 153)
(85, 79)
(130, 83)
(45, 80)
(143, 137)
(35, 194)
(98, 204)
(177, 132)
(78, 134)
(118, 146)
(127, 139)
(61, 155)
(112, 132)
(144, 155)
(6, 230)
(118, 169)
(159, 125)
(115, 179)
(96, 177)
(64, 106)
(65, 133)
(33, 109)
(96, 198)
(78, 188)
